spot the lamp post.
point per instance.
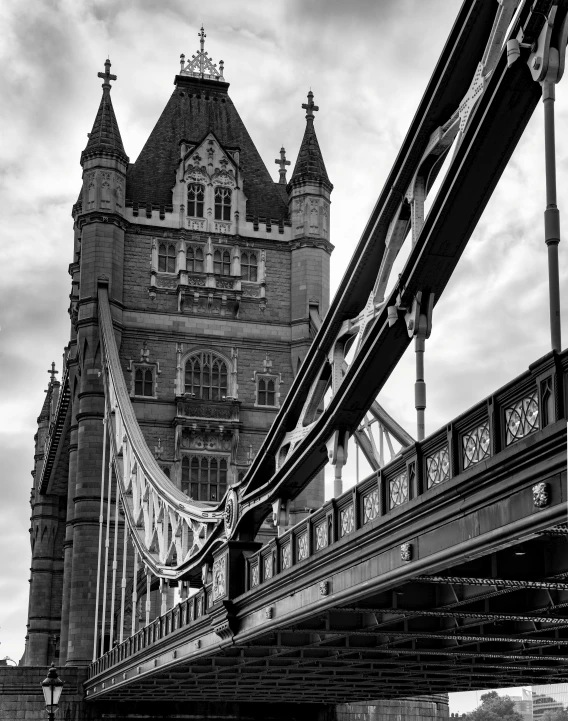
(52, 687)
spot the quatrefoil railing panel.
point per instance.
(166, 527)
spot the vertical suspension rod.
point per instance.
(551, 215)
(123, 581)
(148, 589)
(135, 591)
(420, 388)
(114, 561)
(101, 526)
(107, 546)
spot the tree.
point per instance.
(560, 714)
(496, 708)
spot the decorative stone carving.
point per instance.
(324, 588)
(219, 578)
(541, 494)
(406, 552)
(269, 612)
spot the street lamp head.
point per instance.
(52, 687)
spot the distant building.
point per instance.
(548, 699)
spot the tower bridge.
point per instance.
(209, 379)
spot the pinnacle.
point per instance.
(105, 135)
(310, 165)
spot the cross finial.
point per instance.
(52, 372)
(282, 162)
(107, 76)
(310, 107)
(201, 34)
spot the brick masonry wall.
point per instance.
(160, 325)
(21, 696)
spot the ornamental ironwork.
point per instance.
(346, 520)
(476, 445)
(399, 490)
(302, 546)
(371, 506)
(321, 536)
(521, 418)
(268, 567)
(254, 575)
(286, 556)
(231, 512)
(438, 466)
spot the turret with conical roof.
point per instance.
(104, 160)
(310, 167)
(105, 138)
(309, 192)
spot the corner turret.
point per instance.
(104, 160)
(309, 191)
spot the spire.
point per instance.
(282, 162)
(309, 165)
(105, 135)
(53, 383)
(201, 65)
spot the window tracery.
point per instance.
(204, 477)
(249, 266)
(266, 391)
(144, 381)
(206, 377)
(222, 262)
(194, 259)
(195, 200)
(223, 203)
(167, 258)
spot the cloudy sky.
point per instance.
(367, 62)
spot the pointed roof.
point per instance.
(309, 164)
(196, 107)
(200, 104)
(105, 135)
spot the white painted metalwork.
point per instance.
(166, 526)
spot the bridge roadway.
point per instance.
(445, 571)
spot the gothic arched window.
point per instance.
(223, 203)
(204, 478)
(167, 258)
(195, 199)
(206, 377)
(266, 392)
(144, 382)
(194, 260)
(249, 266)
(222, 262)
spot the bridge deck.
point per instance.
(443, 572)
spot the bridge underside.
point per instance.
(467, 629)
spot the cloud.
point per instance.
(493, 318)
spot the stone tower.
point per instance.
(217, 277)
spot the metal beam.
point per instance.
(496, 582)
(413, 613)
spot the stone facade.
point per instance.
(211, 290)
